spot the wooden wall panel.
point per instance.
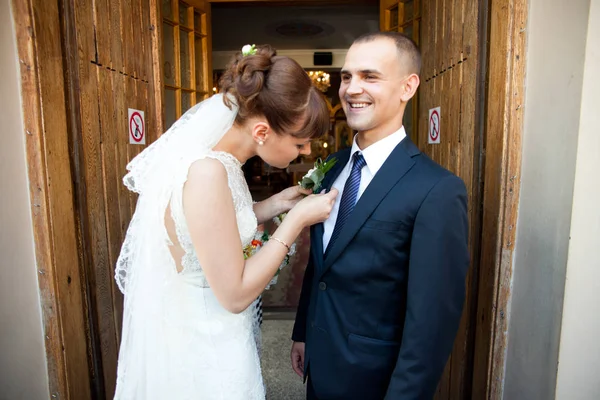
(137, 54)
(112, 71)
(111, 172)
(207, 20)
(126, 36)
(122, 206)
(450, 79)
(92, 209)
(116, 34)
(153, 43)
(143, 17)
(102, 19)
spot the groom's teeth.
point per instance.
(359, 105)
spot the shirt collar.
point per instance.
(376, 154)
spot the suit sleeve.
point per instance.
(299, 332)
(439, 259)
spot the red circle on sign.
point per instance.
(136, 128)
(434, 120)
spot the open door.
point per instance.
(102, 80)
(186, 56)
(449, 35)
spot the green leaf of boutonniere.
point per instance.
(314, 178)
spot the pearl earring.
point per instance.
(260, 142)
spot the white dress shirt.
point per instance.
(375, 155)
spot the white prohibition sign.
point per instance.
(434, 126)
(137, 127)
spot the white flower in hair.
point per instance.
(249, 50)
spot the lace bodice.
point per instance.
(242, 201)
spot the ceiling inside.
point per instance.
(291, 27)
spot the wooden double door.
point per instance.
(108, 57)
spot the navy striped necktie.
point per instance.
(348, 196)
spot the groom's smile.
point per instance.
(359, 105)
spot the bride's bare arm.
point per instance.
(210, 215)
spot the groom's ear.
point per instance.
(261, 131)
(410, 87)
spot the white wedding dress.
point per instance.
(178, 342)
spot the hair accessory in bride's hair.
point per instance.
(249, 50)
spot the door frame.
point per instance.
(501, 173)
(61, 278)
(43, 88)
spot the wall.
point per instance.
(23, 372)
(293, 26)
(556, 36)
(579, 357)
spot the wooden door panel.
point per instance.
(112, 71)
(116, 66)
(404, 16)
(448, 34)
(450, 80)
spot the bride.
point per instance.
(187, 324)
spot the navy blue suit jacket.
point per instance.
(379, 313)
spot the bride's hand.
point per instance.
(289, 197)
(314, 208)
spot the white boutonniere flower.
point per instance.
(314, 177)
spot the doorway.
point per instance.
(111, 49)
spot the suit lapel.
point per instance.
(395, 167)
(342, 159)
(317, 229)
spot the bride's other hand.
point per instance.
(279, 203)
(289, 197)
(315, 208)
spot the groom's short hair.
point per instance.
(408, 50)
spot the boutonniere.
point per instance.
(314, 177)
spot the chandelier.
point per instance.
(320, 79)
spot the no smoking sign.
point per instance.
(433, 136)
(137, 127)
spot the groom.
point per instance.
(385, 284)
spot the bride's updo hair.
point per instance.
(276, 87)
